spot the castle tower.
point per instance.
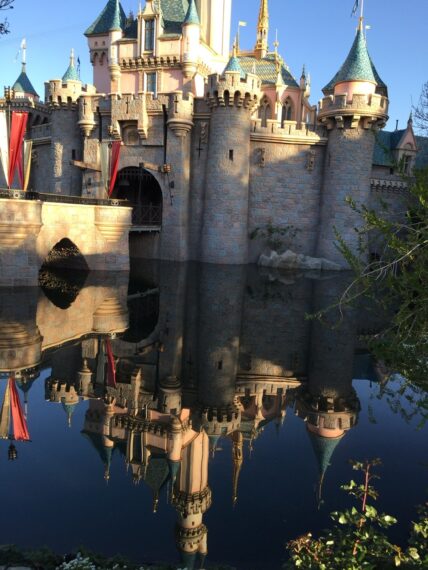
(261, 47)
(355, 106)
(103, 36)
(23, 87)
(232, 98)
(191, 40)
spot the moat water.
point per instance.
(270, 407)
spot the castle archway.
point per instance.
(139, 187)
(65, 255)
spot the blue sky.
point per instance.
(318, 33)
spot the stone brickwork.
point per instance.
(30, 229)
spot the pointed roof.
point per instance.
(23, 84)
(358, 66)
(192, 16)
(266, 69)
(324, 448)
(71, 73)
(112, 18)
(234, 65)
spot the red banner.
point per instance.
(20, 429)
(114, 168)
(17, 132)
(111, 366)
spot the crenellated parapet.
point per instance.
(188, 504)
(369, 110)
(216, 420)
(180, 113)
(233, 89)
(328, 413)
(87, 110)
(128, 109)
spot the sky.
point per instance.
(317, 33)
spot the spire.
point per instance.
(111, 19)
(262, 31)
(192, 16)
(358, 66)
(324, 448)
(238, 460)
(71, 73)
(23, 85)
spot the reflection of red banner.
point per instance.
(20, 430)
(17, 132)
(115, 156)
(20, 165)
(111, 367)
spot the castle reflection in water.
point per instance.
(201, 353)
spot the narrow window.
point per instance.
(151, 83)
(149, 35)
(73, 154)
(231, 155)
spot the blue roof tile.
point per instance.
(112, 18)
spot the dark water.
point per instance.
(229, 408)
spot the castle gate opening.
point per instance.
(139, 187)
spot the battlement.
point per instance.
(290, 131)
(58, 92)
(371, 106)
(180, 113)
(231, 89)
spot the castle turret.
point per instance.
(103, 36)
(261, 47)
(232, 98)
(23, 88)
(191, 40)
(355, 106)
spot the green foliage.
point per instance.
(396, 281)
(277, 238)
(358, 539)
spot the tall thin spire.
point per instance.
(262, 30)
(24, 54)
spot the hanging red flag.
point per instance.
(111, 366)
(20, 429)
(114, 168)
(17, 132)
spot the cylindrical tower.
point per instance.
(232, 98)
(355, 106)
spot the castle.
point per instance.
(216, 145)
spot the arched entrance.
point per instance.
(142, 190)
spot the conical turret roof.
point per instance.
(192, 16)
(324, 448)
(112, 18)
(234, 65)
(71, 73)
(23, 84)
(358, 66)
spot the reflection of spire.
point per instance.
(69, 410)
(324, 448)
(238, 460)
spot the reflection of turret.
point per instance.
(221, 291)
(329, 403)
(192, 498)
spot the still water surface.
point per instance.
(227, 430)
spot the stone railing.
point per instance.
(362, 104)
(38, 132)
